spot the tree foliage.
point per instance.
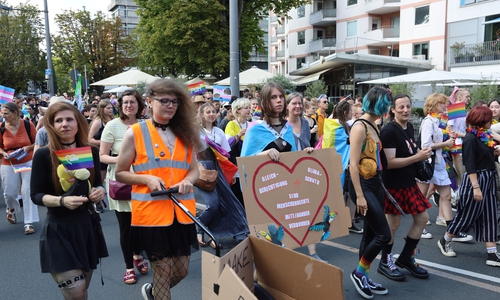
(21, 59)
(285, 82)
(316, 88)
(487, 91)
(192, 37)
(93, 41)
(403, 89)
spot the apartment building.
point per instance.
(126, 11)
(473, 41)
(349, 41)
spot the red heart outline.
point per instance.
(290, 170)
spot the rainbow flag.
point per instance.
(76, 158)
(6, 94)
(257, 113)
(456, 110)
(197, 88)
(443, 121)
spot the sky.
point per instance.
(58, 6)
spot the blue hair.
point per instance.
(377, 101)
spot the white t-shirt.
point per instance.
(216, 135)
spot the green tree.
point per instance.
(93, 41)
(487, 90)
(403, 88)
(282, 80)
(180, 37)
(21, 32)
(316, 88)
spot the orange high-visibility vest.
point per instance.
(154, 158)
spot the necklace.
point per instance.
(241, 125)
(68, 144)
(162, 126)
(483, 135)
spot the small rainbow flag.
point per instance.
(456, 110)
(197, 88)
(257, 113)
(6, 94)
(21, 168)
(443, 121)
(76, 158)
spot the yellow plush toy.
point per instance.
(67, 178)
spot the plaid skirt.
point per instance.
(411, 200)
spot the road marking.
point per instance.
(440, 270)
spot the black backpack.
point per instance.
(26, 125)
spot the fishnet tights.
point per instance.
(167, 273)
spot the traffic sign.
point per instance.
(47, 71)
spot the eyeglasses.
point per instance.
(209, 98)
(166, 101)
(324, 102)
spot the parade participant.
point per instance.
(320, 116)
(477, 206)
(399, 178)
(161, 152)
(130, 106)
(17, 136)
(365, 188)
(309, 112)
(456, 127)
(71, 240)
(224, 214)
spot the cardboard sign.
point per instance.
(230, 286)
(222, 93)
(297, 201)
(305, 278)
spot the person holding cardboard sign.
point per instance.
(365, 188)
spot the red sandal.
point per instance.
(141, 265)
(129, 277)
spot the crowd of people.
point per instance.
(162, 140)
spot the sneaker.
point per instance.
(428, 223)
(426, 235)
(355, 229)
(316, 256)
(493, 259)
(454, 207)
(147, 291)
(435, 198)
(445, 248)
(377, 288)
(412, 265)
(462, 237)
(441, 222)
(361, 285)
(389, 270)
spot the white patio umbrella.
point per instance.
(431, 77)
(130, 77)
(251, 76)
(119, 89)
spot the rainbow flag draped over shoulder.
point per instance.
(6, 94)
(76, 158)
(456, 110)
(334, 136)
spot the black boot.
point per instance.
(407, 260)
(387, 268)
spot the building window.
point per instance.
(352, 28)
(301, 12)
(422, 15)
(301, 37)
(421, 49)
(352, 2)
(300, 62)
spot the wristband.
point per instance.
(475, 188)
(61, 201)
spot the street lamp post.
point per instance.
(47, 42)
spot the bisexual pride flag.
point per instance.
(456, 110)
(76, 158)
(6, 94)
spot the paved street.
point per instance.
(463, 277)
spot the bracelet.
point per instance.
(474, 183)
(475, 188)
(61, 201)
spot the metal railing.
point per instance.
(475, 54)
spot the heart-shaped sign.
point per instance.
(298, 192)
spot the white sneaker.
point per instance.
(462, 237)
(441, 222)
(428, 223)
(426, 235)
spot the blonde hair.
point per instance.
(432, 102)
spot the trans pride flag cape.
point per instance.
(260, 135)
(334, 136)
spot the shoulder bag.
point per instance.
(425, 168)
(119, 191)
(207, 179)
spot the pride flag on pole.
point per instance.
(6, 94)
(76, 158)
(197, 88)
(78, 93)
(456, 110)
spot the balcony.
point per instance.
(280, 54)
(274, 40)
(323, 17)
(320, 45)
(381, 7)
(382, 36)
(478, 54)
(274, 20)
(280, 32)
